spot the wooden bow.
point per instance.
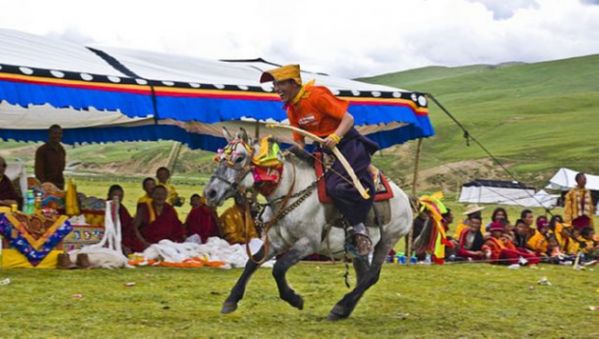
(336, 152)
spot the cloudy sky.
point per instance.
(346, 37)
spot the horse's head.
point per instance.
(233, 173)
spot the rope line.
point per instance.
(469, 136)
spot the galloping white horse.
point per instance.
(300, 232)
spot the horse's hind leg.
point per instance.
(366, 277)
(298, 251)
(238, 290)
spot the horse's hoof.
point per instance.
(299, 303)
(296, 301)
(337, 313)
(334, 317)
(228, 307)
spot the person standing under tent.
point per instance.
(315, 109)
(50, 159)
(578, 206)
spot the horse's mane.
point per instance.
(302, 156)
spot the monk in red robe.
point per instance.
(201, 220)
(500, 249)
(129, 239)
(157, 220)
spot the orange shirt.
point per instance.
(318, 111)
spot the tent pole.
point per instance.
(173, 156)
(257, 130)
(414, 182)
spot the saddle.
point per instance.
(379, 215)
(381, 183)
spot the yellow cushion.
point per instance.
(11, 258)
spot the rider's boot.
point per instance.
(362, 240)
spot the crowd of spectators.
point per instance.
(527, 240)
(155, 217)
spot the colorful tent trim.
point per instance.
(25, 86)
(146, 96)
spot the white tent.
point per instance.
(500, 192)
(563, 180)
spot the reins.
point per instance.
(281, 212)
(268, 225)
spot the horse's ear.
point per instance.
(227, 135)
(242, 134)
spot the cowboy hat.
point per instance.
(472, 208)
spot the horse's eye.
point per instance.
(239, 159)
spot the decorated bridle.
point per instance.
(226, 157)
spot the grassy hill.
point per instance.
(534, 117)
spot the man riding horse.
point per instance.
(316, 110)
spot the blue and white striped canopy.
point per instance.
(101, 94)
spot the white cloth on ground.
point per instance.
(215, 249)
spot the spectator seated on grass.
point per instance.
(148, 186)
(157, 220)
(589, 244)
(471, 211)
(538, 241)
(500, 249)
(8, 193)
(563, 236)
(499, 214)
(163, 175)
(233, 223)
(523, 235)
(471, 240)
(129, 240)
(201, 220)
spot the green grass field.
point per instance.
(456, 301)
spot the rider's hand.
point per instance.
(331, 141)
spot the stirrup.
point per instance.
(363, 244)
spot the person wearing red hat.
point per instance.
(500, 249)
(316, 110)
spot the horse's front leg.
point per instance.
(299, 250)
(367, 276)
(238, 290)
